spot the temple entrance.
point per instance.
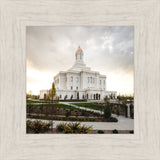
(78, 95)
(87, 96)
(97, 96)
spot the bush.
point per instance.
(61, 118)
(60, 127)
(68, 113)
(112, 119)
(73, 128)
(115, 131)
(100, 132)
(38, 126)
(107, 111)
(131, 132)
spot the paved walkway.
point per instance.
(122, 124)
(84, 108)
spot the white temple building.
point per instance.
(80, 82)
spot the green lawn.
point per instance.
(31, 101)
(90, 105)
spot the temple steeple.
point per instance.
(79, 64)
(79, 55)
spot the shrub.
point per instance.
(73, 128)
(60, 127)
(38, 126)
(84, 129)
(100, 131)
(131, 132)
(115, 131)
(83, 113)
(112, 119)
(107, 111)
(68, 113)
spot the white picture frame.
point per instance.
(15, 144)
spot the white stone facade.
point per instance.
(80, 82)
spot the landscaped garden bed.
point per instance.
(39, 127)
(59, 109)
(63, 112)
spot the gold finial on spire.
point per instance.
(79, 49)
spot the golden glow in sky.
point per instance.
(108, 50)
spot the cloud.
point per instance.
(106, 48)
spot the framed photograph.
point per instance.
(79, 80)
(77, 99)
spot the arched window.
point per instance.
(97, 96)
(78, 95)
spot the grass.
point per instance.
(31, 101)
(90, 105)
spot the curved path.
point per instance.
(122, 124)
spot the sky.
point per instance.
(107, 49)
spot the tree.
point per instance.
(107, 110)
(52, 92)
(30, 92)
(106, 99)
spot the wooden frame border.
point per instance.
(15, 15)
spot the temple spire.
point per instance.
(79, 49)
(79, 55)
